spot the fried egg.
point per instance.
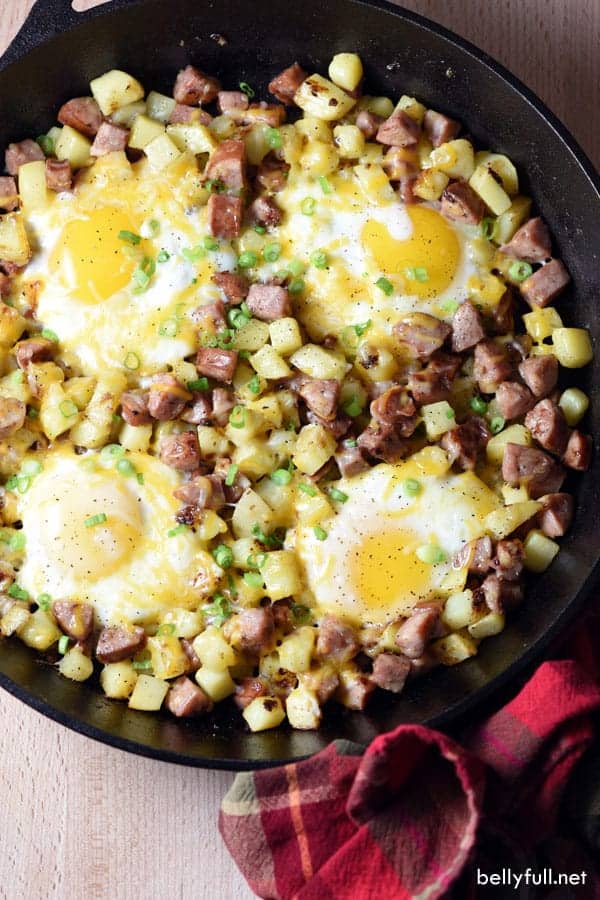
(95, 535)
(387, 549)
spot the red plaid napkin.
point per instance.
(416, 811)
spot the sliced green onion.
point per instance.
(32, 412)
(325, 186)
(17, 377)
(487, 227)
(247, 259)
(17, 593)
(140, 478)
(307, 489)
(237, 318)
(296, 267)
(98, 519)
(17, 541)
(418, 273)
(350, 442)
(349, 339)
(431, 554)
(246, 89)
(450, 306)
(63, 644)
(68, 408)
(497, 424)
(450, 413)
(281, 476)
(308, 206)
(231, 473)
(178, 529)
(142, 665)
(193, 254)
(223, 556)
(337, 495)
(260, 229)
(31, 467)
(214, 186)
(169, 328)
(23, 483)
(319, 259)
(253, 579)
(301, 614)
(112, 452)
(167, 629)
(520, 270)
(220, 608)
(410, 487)
(11, 483)
(153, 227)
(237, 416)
(254, 385)
(256, 560)
(478, 405)
(144, 273)
(49, 335)
(126, 467)
(46, 143)
(163, 256)
(129, 237)
(274, 138)
(199, 384)
(131, 361)
(296, 286)
(319, 533)
(352, 407)
(271, 252)
(360, 329)
(385, 285)
(44, 601)
(210, 243)
(270, 540)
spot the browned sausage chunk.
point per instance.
(336, 641)
(492, 366)
(74, 619)
(253, 629)
(269, 302)
(116, 644)
(166, 398)
(181, 451)
(467, 328)
(285, 85)
(501, 595)
(134, 407)
(18, 154)
(382, 442)
(217, 364)
(433, 383)
(83, 114)
(321, 395)
(227, 100)
(224, 216)
(235, 287)
(9, 195)
(194, 88)
(390, 671)
(223, 402)
(395, 407)
(540, 374)
(439, 128)
(59, 175)
(184, 115)
(399, 130)
(398, 168)
(415, 633)
(464, 443)
(338, 427)
(248, 690)
(197, 492)
(461, 204)
(533, 468)
(547, 423)
(199, 412)
(513, 399)
(110, 139)
(475, 555)
(369, 123)
(545, 285)
(5, 286)
(578, 454)
(502, 318)
(530, 242)
(264, 211)
(186, 699)
(227, 164)
(271, 174)
(350, 461)
(34, 350)
(12, 416)
(422, 334)
(210, 317)
(508, 559)
(556, 514)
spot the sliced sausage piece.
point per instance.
(399, 130)
(181, 451)
(533, 468)
(382, 442)
(194, 662)
(475, 555)
(9, 195)
(350, 461)
(321, 395)
(116, 644)
(227, 100)
(501, 595)
(227, 164)
(369, 123)
(508, 559)
(185, 115)
(34, 350)
(223, 401)
(460, 203)
(272, 174)
(578, 454)
(23, 152)
(433, 383)
(12, 416)
(216, 363)
(390, 671)
(269, 302)
(540, 374)
(467, 328)
(530, 242)
(210, 317)
(249, 689)
(59, 175)
(415, 633)
(503, 319)
(264, 211)
(197, 492)
(186, 699)
(110, 139)
(440, 128)
(395, 407)
(194, 88)
(224, 217)
(513, 399)
(336, 641)
(422, 334)
(253, 629)
(464, 443)
(556, 514)
(547, 424)
(492, 366)
(5, 286)
(272, 114)
(285, 85)
(235, 287)
(167, 398)
(74, 619)
(134, 407)
(199, 412)
(545, 285)
(83, 114)
(338, 427)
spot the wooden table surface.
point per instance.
(82, 820)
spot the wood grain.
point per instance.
(82, 820)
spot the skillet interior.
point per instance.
(402, 54)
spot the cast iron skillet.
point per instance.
(55, 56)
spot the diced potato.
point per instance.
(319, 158)
(115, 89)
(264, 712)
(14, 243)
(321, 98)
(251, 336)
(222, 127)
(540, 323)
(572, 347)
(374, 183)
(493, 195)
(490, 624)
(431, 461)
(148, 693)
(485, 290)
(144, 130)
(454, 648)
(80, 390)
(269, 665)
(269, 410)
(280, 498)
(12, 326)
(57, 412)
(514, 494)
(317, 362)
(296, 649)
(314, 129)
(539, 551)
(455, 158)
(381, 106)
(452, 583)
(438, 418)
(159, 106)
(314, 446)
(74, 147)
(514, 434)
(253, 423)
(161, 152)
(281, 574)
(459, 611)
(242, 549)
(212, 441)
(375, 363)
(249, 510)
(312, 510)
(94, 428)
(502, 167)
(167, 655)
(481, 251)
(574, 404)
(303, 710)
(430, 184)
(126, 115)
(346, 70)
(267, 363)
(14, 619)
(217, 685)
(349, 140)
(254, 459)
(502, 522)
(194, 137)
(257, 143)
(372, 154)
(76, 665)
(412, 107)
(39, 631)
(210, 526)
(118, 680)
(135, 437)
(292, 144)
(32, 185)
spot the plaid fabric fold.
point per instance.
(416, 810)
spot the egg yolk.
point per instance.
(427, 261)
(90, 255)
(385, 566)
